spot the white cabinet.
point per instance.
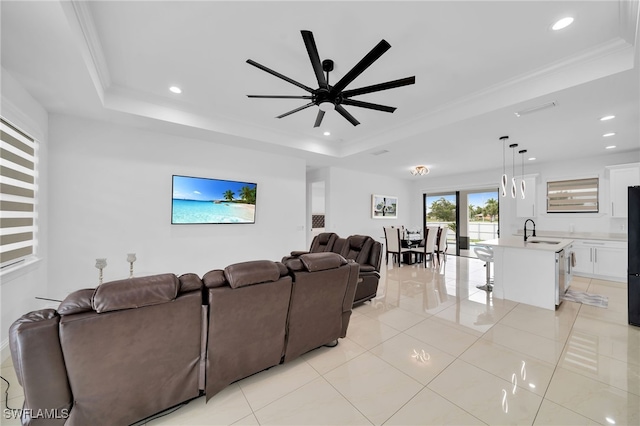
(601, 259)
(610, 262)
(620, 178)
(527, 207)
(584, 259)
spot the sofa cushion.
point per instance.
(135, 292)
(189, 282)
(253, 272)
(214, 278)
(357, 247)
(77, 302)
(323, 242)
(322, 261)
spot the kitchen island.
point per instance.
(531, 272)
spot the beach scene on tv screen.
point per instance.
(202, 200)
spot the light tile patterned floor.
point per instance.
(433, 349)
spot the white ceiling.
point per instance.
(475, 63)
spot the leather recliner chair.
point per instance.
(367, 252)
(324, 285)
(248, 308)
(113, 355)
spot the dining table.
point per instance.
(411, 241)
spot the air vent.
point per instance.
(536, 108)
(383, 151)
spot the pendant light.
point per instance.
(514, 187)
(503, 183)
(522, 184)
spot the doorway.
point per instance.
(481, 220)
(441, 209)
(317, 209)
(470, 215)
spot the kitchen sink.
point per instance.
(543, 242)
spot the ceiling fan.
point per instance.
(328, 97)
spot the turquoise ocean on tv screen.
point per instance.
(191, 211)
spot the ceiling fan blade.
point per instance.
(378, 87)
(359, 68)
(277, 74)
(279, 96)
(312, 50)
(369, 105)
(296, 110)
(343, 112)
(319, 118)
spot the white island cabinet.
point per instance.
(531, 272)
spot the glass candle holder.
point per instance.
(101, 263)
(131, 257)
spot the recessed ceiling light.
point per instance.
(607, 117)
(610, 147)
(532, 158)
(327, 133)
(175, 89)
(562, 23)
(606, 135)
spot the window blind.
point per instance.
(576, 196)
(17, 194)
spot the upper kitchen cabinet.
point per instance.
(620, 178)
(527, 207)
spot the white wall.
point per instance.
(349, 203)
(111, 195)
(600, 222)
(19, 286)
(317, 197)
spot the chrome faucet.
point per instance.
(525, 229)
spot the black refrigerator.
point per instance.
(633, 283)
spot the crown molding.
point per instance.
(82, 25)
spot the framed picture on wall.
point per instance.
(384, 207)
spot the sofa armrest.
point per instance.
(367, 268)
(37, 358)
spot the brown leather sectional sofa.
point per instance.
(132, 348)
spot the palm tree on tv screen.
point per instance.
(248, 194)
(228, 195)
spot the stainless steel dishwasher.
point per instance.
(561, 263)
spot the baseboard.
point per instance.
(601, 277)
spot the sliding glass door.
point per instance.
(481, 219)
(441, 209)
(470, 215)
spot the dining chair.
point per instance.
(427, 245)
(393, 245)
(442, 244)
(421, 249)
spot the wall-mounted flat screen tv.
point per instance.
(201, 200)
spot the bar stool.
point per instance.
(485, 253)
